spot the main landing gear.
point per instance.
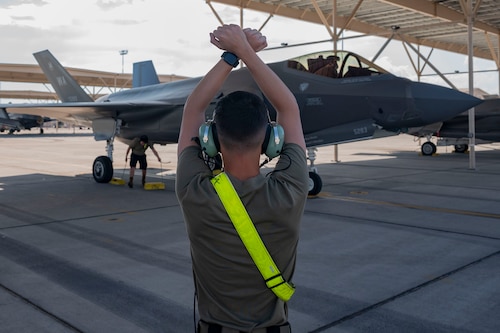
(105, 129)
(428, 148)
(461, 148)
(102, 169)
(315, 183)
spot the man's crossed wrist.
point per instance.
(230, 58)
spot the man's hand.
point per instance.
(231, 38)
(256, 40)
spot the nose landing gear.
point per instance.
(315, 183)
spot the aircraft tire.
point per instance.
(102, 169)
(315, 183)
(428, 148)
(461, 148)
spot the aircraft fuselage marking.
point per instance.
(360, 130)
(314, 101)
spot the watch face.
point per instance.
(230, 58)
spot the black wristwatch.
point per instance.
(230, 58)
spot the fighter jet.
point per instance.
(455, 131)
(342, 98)
(14, 122)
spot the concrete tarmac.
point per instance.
(395, 242)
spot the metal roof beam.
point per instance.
(323, 19)
(437, 10)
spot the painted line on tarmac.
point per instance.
(327, 195)
(404, 293)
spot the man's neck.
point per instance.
(242, 166)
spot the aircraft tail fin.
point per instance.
(6, 122)
(144, 74)
(4, 114)
(64, 84)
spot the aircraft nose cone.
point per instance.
(435, 103)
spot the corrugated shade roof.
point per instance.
(440, 24)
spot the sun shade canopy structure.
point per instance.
(84, 77)
(440, 24)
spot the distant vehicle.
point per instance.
(455, 131)
(342, 97)
(13, 122)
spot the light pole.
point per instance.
(123, 53)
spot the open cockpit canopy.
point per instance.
(338, 64)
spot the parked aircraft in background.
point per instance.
(455, 131)
(342, 98)
(13, 122)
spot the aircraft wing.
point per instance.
(84, 113)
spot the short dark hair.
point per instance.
(144, 138)
(241, 119)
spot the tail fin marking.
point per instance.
(63, 83)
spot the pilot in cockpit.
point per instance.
(330, 67)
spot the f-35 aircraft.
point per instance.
(342, 97)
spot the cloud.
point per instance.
(13, 3)
(112, 4)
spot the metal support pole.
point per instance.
(470, 47)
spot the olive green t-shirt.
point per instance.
(137, 148)
(231, 291)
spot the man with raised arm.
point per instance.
(231, 292)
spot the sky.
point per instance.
(174, 34)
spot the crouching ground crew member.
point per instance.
(235, 290)
(139, 147)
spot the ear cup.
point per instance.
(274, 140)
(208, 138)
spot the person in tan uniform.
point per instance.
(138, 147)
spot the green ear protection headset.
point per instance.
(272, 145)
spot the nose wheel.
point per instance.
(315, 184)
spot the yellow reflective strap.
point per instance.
(250, 237)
